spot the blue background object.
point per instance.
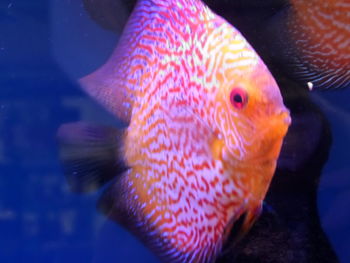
(44, 47)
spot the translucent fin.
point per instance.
(251, 216)
(91, 155)
(116, 204)
(106, 86)
(239, 227)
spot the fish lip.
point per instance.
(285, 114)
(279, 120)
(288, 120)
(275, 133)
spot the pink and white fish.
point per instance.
(206, 122)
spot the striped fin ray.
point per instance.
(91, 155)
(326, 79)
(310, 41)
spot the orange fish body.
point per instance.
(206, 123)
(313, 40)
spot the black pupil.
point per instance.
(238, 98)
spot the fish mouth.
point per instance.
(275, 126)
(286, 117)
(279, 123)
(268, 143)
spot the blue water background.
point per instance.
(44, 47)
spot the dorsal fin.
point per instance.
(114, 83)
(105, 86)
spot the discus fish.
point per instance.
(313, 39)
(206, 121)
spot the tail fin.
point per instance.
(91, 155)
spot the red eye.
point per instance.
(239, 98)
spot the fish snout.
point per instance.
(274, 129)
(277, 123)
(284, 115)
(281, 121)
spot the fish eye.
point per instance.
(238, 98)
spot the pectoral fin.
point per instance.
(239, 227)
